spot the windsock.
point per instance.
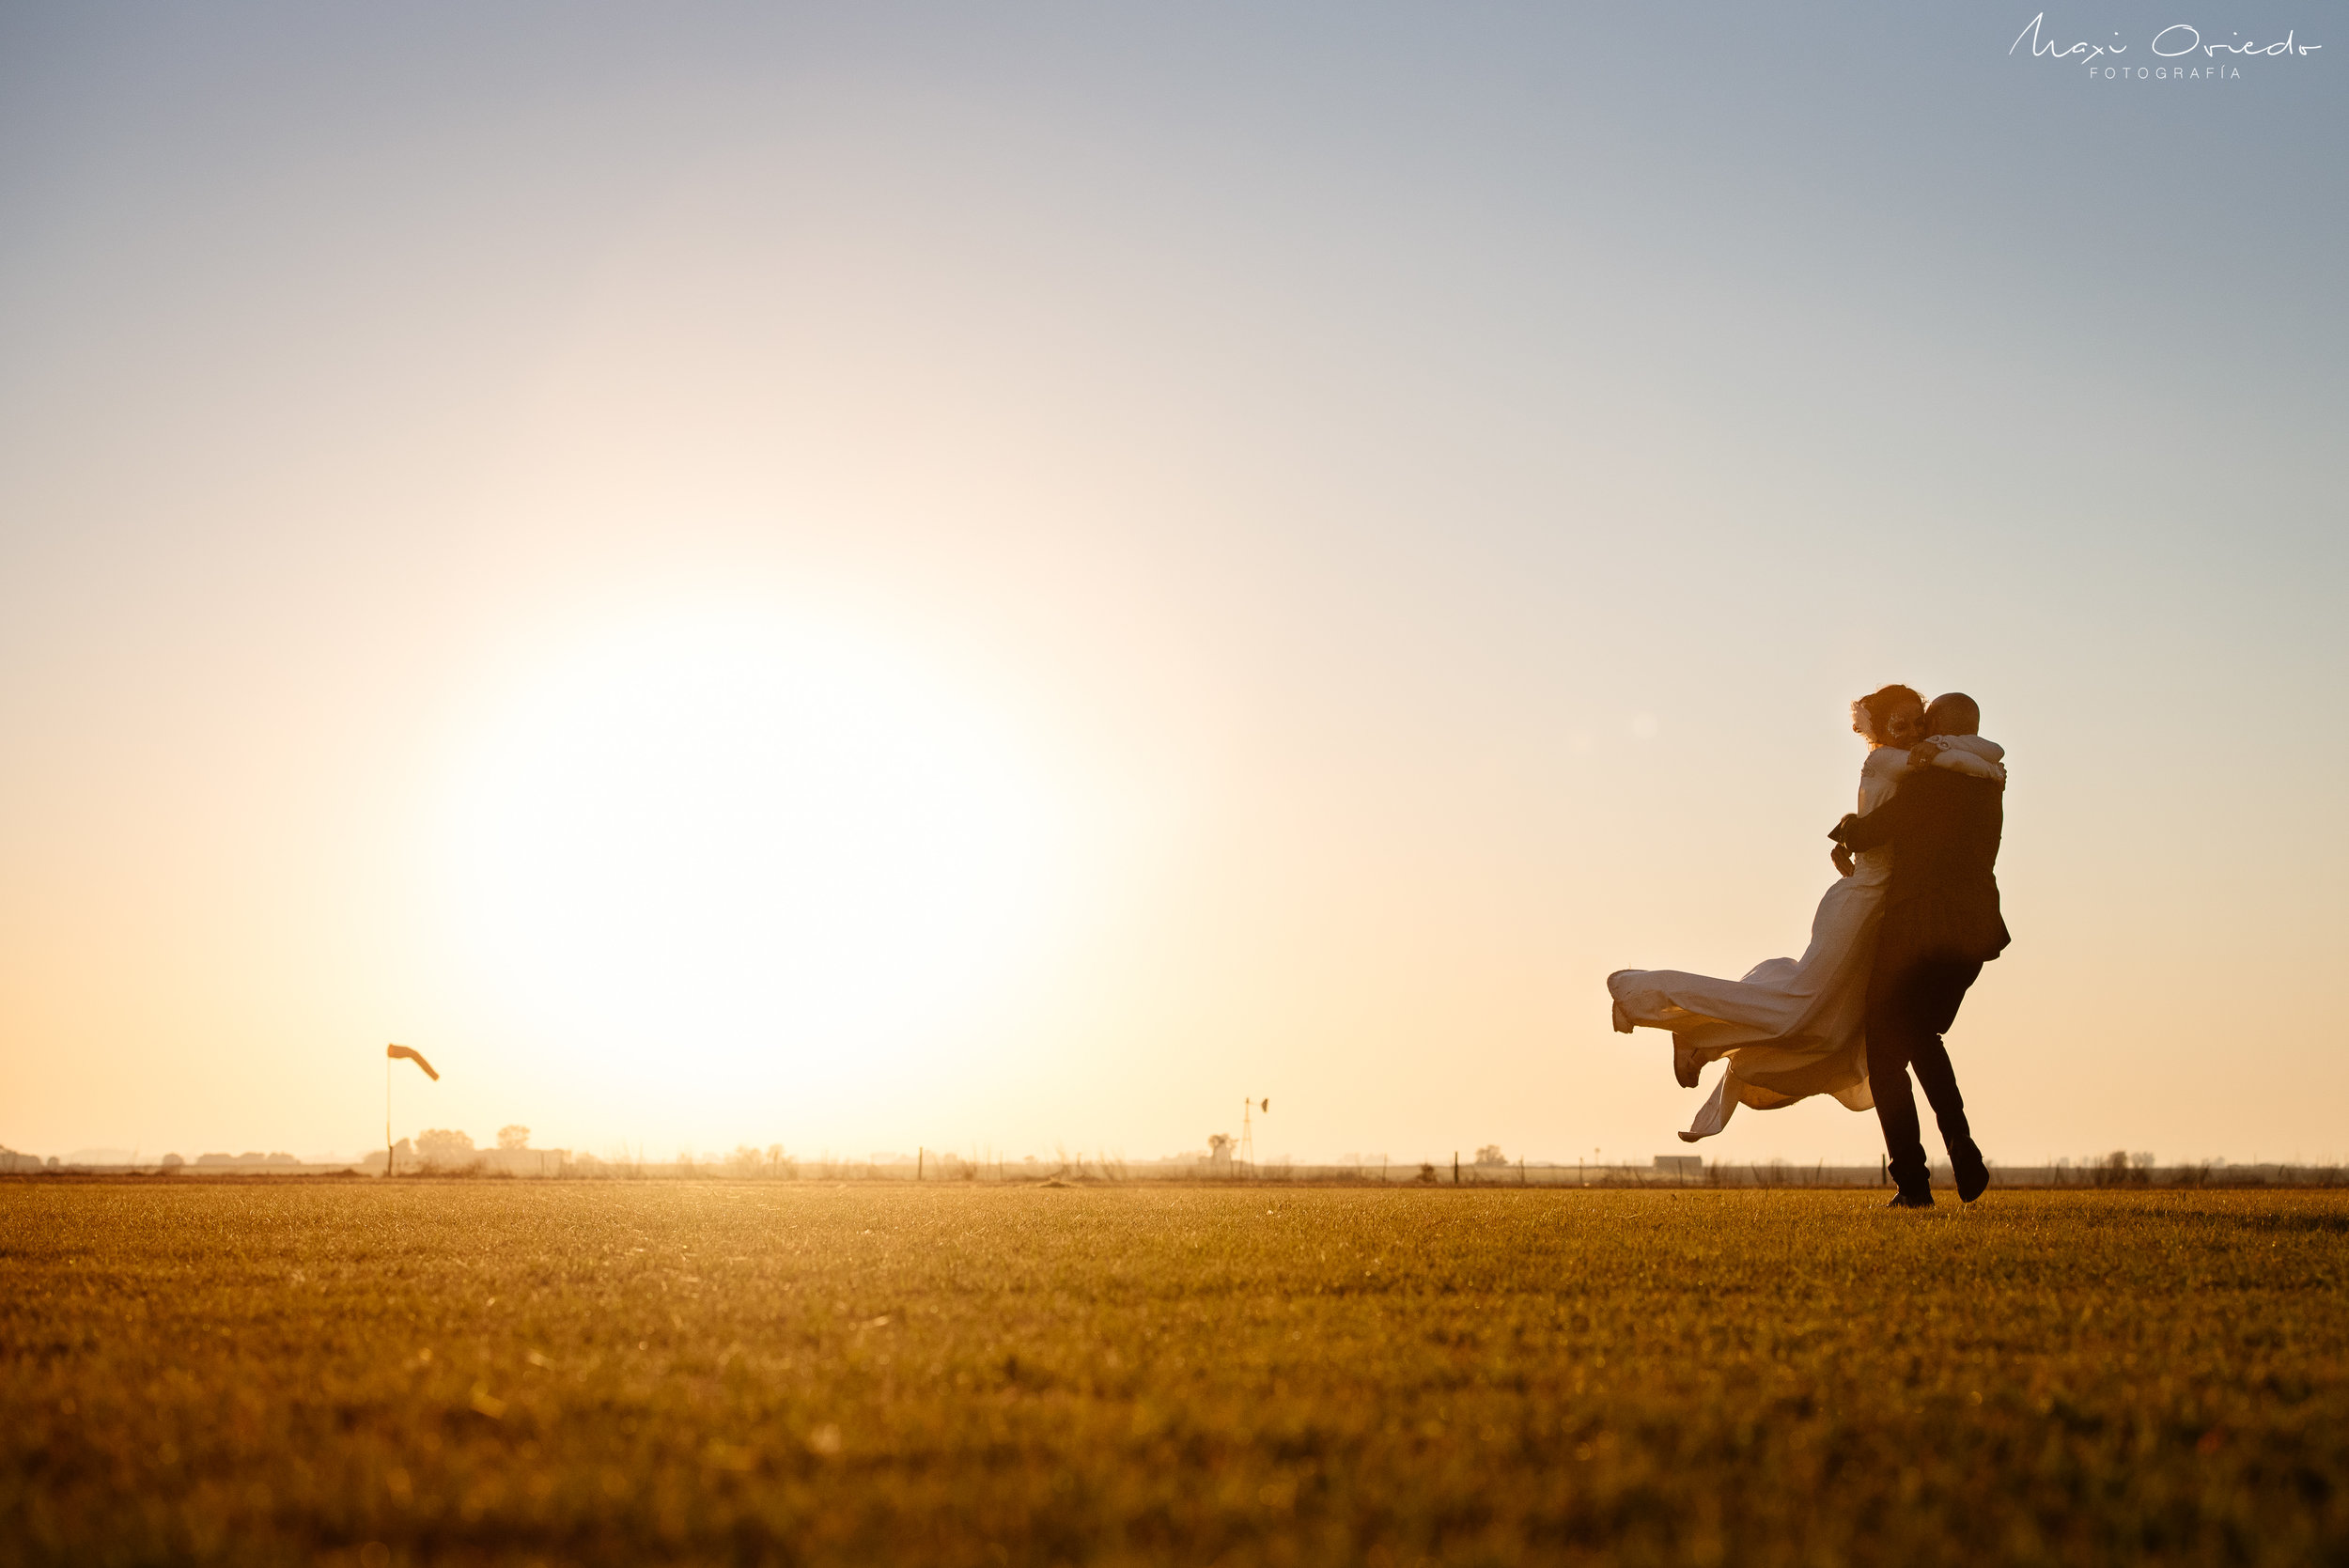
(411, 1054)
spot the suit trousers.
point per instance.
(1910, 1004)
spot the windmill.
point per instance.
(1248, 1111)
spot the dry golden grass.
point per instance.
(353, 1373)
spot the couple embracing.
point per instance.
(1897, 940)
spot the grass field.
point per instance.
(610, 1372)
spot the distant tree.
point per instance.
(173, 1162)
(2118, 1168)
(1490, 1154)
(515, 1136)
(1428, 1172)
(441, 1146)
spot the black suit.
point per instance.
(1941, 924)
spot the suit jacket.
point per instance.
(1943, 901)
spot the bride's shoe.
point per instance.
(1687, 1064)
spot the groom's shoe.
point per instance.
(1973, 1176)
(1910, 1200)
(1687, 1064)
(1622, 1020)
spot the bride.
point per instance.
(1792, 1026)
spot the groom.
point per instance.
(1941, 924)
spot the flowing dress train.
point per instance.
(1792, 1026)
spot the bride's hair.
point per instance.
(1868, 713)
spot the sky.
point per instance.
(1000, 577)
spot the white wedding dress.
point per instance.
(1792, 1026)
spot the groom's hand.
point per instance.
(1841, 857)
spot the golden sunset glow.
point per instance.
(891, 578)
(897, 782)
(722, 837)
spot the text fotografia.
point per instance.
(2179, 53)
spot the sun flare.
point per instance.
(752, 840)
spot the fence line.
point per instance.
(932, 1169)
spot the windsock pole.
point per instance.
(392, 1053)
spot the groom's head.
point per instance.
(1952, 713)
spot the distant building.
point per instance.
(445, 1148)
(523, 1162)
(485, 1162)
(404, 1152)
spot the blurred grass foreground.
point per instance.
(364, 1373)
